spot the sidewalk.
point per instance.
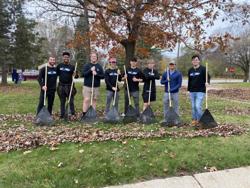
(232, 178)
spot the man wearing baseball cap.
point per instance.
(175, 79)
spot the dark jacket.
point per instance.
(110, 79)
(51, 78)
(87, 74)
(175, 81)
(148, 76)
(65, 73)
(136, 72)
(197, 79)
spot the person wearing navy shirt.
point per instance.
(49, 87)
(110, 79)
(175, 80)
(65, 72)
(90, 69)
(150, 75)
(134, 77)
(197, 88)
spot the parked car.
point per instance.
(30, 74)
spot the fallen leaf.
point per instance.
(27, 152)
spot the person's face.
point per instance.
(52, 61)
(113, 62)
(93, 57)
(196, 62)
(133, 64)
(151, 65)
(66, 59)
(171, 66)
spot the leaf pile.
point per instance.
(237, 94)
(24, 138)
(236, 111)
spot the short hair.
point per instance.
(151, 61)
(133, 59)
(94, 52)
(196, 55)
(66, 53)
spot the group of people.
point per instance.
(93, 73)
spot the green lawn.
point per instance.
(98, 164)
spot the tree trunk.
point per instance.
(4, 74)
(129, 50)
(246, 76)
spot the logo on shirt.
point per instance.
(113, 74)
(133, 73)
(65, 69)
(51, 72)
(195, 74)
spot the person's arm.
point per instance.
(178, 85)
(86, 71)
(157, 75)
(164, 78)
(100, 72)
(106, 77)
(41, 77)
(189, 80)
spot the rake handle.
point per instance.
(71, 87)
(46, 78)
(116, 86)
(150, 88)
(92, 89)
(206, 84)
(169, 94)
(129, 100)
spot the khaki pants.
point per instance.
(86, 92)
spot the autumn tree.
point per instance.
(156, 22)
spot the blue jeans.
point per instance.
(196, 100)
(175, 103)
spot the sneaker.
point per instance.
(195, 122)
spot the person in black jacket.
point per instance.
(90, 69)
(110, 79)
(197, 87)
(150, 75)
(65, 71)
(134, 76)
(50, 86)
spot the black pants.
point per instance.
(63, 93)
(50, 95)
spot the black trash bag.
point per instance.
(112, 116)
(207, 121)
(90, 116)
(171, 118)
(147, 116)
(44, 117)
(131, 115)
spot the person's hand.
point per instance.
(207, 85)
(118, 71)
(135, 79)
(44, 88)
(114, 88)
(125, 77)
(94, 72)
(92, 68)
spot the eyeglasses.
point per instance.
(112, 61)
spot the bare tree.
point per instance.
(239, 54)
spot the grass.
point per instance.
(109, 163)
